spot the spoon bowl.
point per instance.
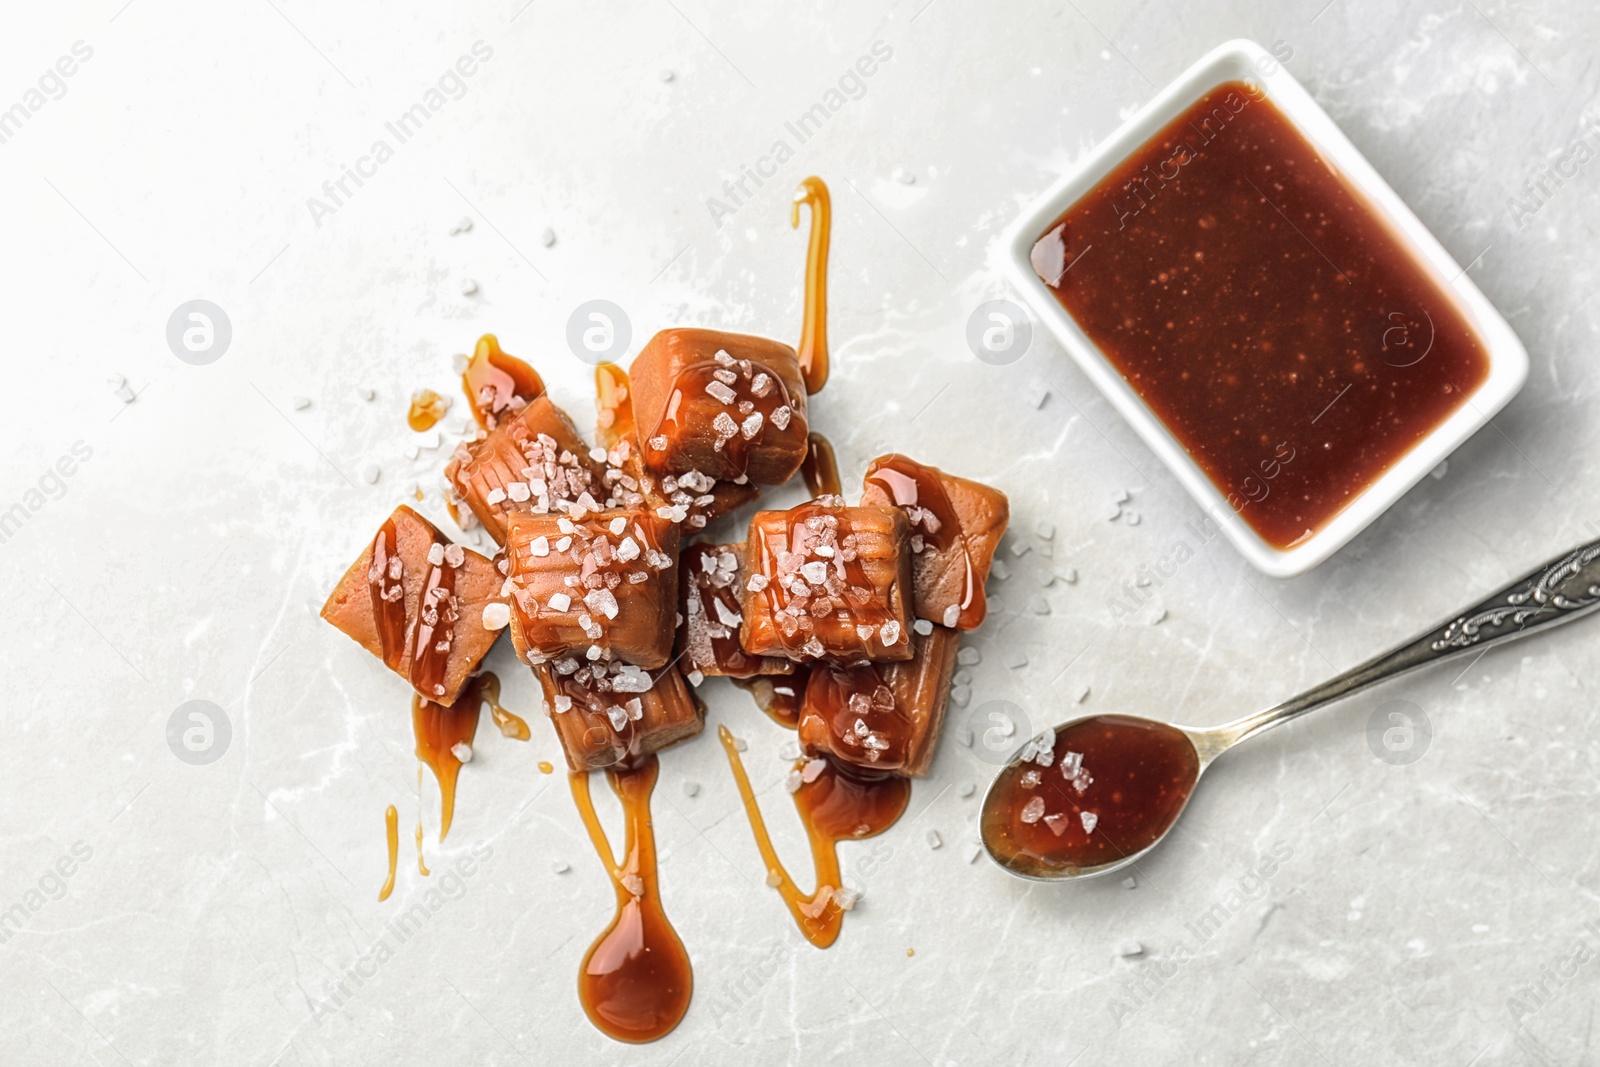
(1095, 794)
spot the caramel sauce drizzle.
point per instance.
(636, 979)
(813, 346)
(438, 728)
(910, 484)
(422, 867)
(495, 381)
(778, 695)
(391, 826)
(385, 582)
(820, 467)
(613, 405)
(511, 724)
(427, 408)
(838, 804)
(434, 630)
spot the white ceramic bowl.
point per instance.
(1244, 60)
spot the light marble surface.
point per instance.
(219, 904)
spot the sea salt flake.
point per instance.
(922, 627)
(462, 752)
(496, 614)
(934, 840)
(1033, 810)
(1088, 819)
(1057, 823)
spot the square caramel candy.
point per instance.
(956, 525)
(603, 587)
(882, 716)
(534, 461)
(608, 715)
(828, 581)
(428, 608)
(711, 580)
(725, 404)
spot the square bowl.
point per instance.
(1507, 360)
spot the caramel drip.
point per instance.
(910, 484)
(388, 594)
(838, 804)
(438, 729)
(511, 724)
(391, 826)
(498, 383)
(813, 347)
(427, 408)
(422, 868)
(613, 405)
(779, 695)
(434, 629)
(546, 767)
(636, 979)
(820, 469)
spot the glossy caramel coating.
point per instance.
(600, 726)
(608, 581)
(882, 716)
(956, 526)
(724, 404)
(828, 582)
(407, 539)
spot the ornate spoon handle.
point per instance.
(1562, 590)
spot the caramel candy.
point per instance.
(690, 499)
(882, 716)
(728, 405)
(828, 581)
(711, 580)
(956, 525)
(425, 606)
(604, 717)
(603, 587)
(533, 462)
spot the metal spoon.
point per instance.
(1560, 591)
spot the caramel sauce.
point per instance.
(385, 581)
(427, 408)
(820, 468)
(511, 724)
(391, 827)
(434, 630)
(613, 403)
(1132, 779)
(636, 980)
(497, 383)
(692, 382)
(546, 767)
(839, 804)
(779, 695)
(910, 484)
(422, 867)
(438, 728)
(813, 346)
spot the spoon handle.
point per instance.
(1560, 591)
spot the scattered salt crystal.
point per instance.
(974, 850)
(1130, 883)
(1088, 819)
(846, 898)
(1131, 518)
(966, 789)
(952, 614)
(1441, 470)
(436, 553)
(667, 75)
(1019, 548)
(1081, 695)
(1057, 823)
(889, 633)
(813, 770)
(468, 287)
(720, 392)
(563, 704)
(691, 789)
(1033, 810)
(1030, 778)
(630, 679)
(780, 417)
(494, 496)
(739, 745)
(462, 752)
(633, 884)
(999, 569)
(603, 601)
(1045, 530)
(969, 656)
(559, 602)
(301, 403)
(1159, 618)
(1070, 576)
(455, 555)
(547, 236)
(934, 840)
(560, 866)
(618, 717)
(1016, 659)
(460, 361)
(370, 473)
(695, 678)
(563, 544)
(463, 226)
(496, 614)
(1039, 394)
(961, 695)
(658, 443)
(1129, 949)
(774, 879)
(792, 781)
(1071, 764)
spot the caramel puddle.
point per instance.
(838, 804)
(636, 980)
